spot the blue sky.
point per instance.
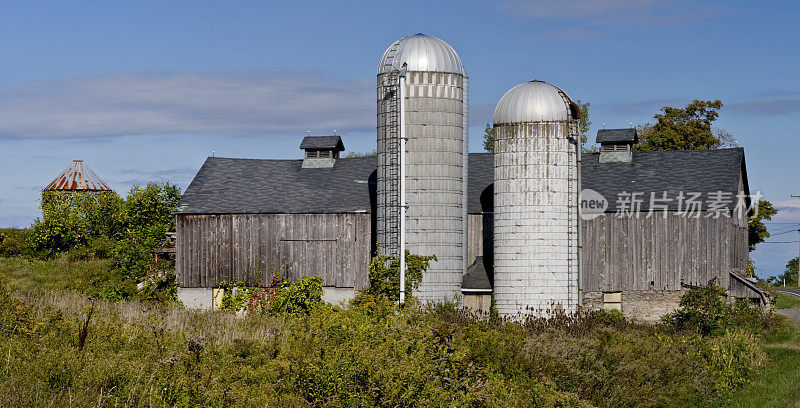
(147, 90)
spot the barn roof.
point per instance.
(322, 142)
(707, 172)
(253, 186)
(77, 177)
(616, 135)
(476, 279)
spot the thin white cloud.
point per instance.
(786, 203)
(768, 106)
(581, 8)
(185, 103)
(589, 19)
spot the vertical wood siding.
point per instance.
(256, 247)
(658, 253)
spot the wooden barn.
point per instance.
(249, 220)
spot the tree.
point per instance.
(756, 230)
(373, 152)
(488, 138)
(688, 128)
(585, 124)
(74, 218)
(789, 275)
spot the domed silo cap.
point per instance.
(422, 53)
(535, 101)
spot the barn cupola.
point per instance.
(616, 145)
(321, 151)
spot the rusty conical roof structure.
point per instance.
(77, 177)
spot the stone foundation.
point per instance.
(211, 298)
(648, 306)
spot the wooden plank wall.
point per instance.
(659, 253)
(480, 230)
(255, 247)
(474, 237)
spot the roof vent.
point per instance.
(321, 151)
(616, 145)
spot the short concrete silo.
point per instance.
(435, 107)
(536, 201)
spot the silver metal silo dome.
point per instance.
(536, 256)
(435, 116)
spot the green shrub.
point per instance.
(298, 298)
(73, 218)
(16, 241)
(732, 358)
(384, 274)
(702, 309)
(235, 295)
(280, 298)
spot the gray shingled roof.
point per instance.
(673, 171)
(476, 277)
(481, 175)
(254, 186)
(322, 142)
(616, 135)
(251, 186)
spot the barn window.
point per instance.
(612, 301)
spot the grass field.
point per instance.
(786, 301)
(59, 348)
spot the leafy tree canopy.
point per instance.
(789, 275)
(756, 230)
(488, 138)
(688, 128)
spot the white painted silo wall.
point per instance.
(535, 219)
(435, 176)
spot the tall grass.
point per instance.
(143, 353)
(786, 301)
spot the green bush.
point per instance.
(16, 241)
(384, 274)
(235, 295)
(732, 358)
(73, 218)
(704, 310)
(298, 298)
(280, 298)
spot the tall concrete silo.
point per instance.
(435, 116)
(536, 201)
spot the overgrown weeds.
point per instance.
(140, 354)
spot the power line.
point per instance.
(771, 234)
(780, 242)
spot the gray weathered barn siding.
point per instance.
(627, 254)
(474, 237)
(254, 247)
(661, 253)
